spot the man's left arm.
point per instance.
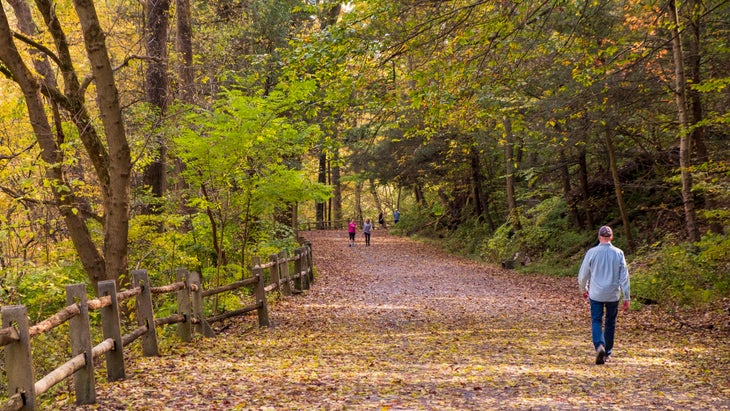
(625, 283)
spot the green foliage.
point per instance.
(160, 243)
(502, 245)
(684, 274)
(243, 168)
(467, 238)
(545, 231)
(42, 288)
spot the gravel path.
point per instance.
(402, 326)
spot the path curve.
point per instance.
(400, 325)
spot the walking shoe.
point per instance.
(600, 355)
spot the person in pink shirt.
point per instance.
(351, 230)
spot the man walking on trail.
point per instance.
(603, 277)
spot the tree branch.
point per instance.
(45, 50)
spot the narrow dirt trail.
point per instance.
(402, 326)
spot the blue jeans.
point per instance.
(601, 331)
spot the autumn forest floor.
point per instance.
(402, 326)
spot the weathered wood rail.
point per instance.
(16, 332)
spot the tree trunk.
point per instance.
(684, 136)
(418, 193)
(699, 147)
(358, 202)
(116, 224)
(337, 188)
(618, 189)
(376, 199)
(322, 179)
(156, 23)
(565, 179)
(477, 181)
(695, 62)
(514, 217)
(184, 46)
(584, 189)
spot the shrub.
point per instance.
(684, 274)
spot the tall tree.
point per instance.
(156, 90)
(685, 148)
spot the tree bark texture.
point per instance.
(584, 188)
(337, 188)
(156, 34)
(322, 179)
(509, 170)
(184, 46)
(565, 180)
(618, 189)
(684, 136)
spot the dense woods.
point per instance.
(198, 133)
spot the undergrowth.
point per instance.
(669, 272)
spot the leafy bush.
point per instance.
(545, 231)
(684, 274)
(502, 245)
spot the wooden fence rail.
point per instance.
(16, 332)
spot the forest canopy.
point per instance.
(166, 133)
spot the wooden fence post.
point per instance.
(145, 313)
(284, 274)
(202, 327)
(81, 344)
(307, 261)
(184, 329)
(275, 277)
(260, 293)
(18, 357)
(303, 276)
(112, 329)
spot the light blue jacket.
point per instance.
(604, 273)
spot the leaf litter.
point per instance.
(400, 325)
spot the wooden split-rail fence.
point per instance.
(16, 332)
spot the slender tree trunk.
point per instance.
(509, 160)
(376, 199)
(418, 193)
(477, 181)
(584, 188)
(684, 136)
(337, 188)
(184, 47)
(156, 23)
(322, 179)
(618, 189)
(699, 148)
(358, 202)
(694, 67)
(565, 179)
